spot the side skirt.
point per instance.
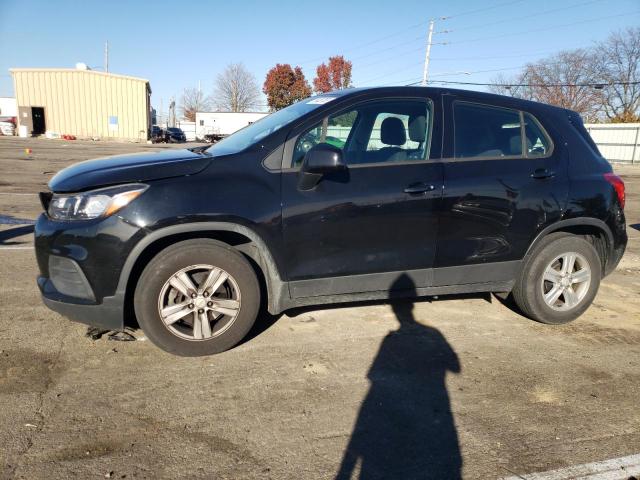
(503, 286)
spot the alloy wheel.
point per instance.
(566, 281)
(199, 302)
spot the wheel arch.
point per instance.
(244, 239)
(594, 229)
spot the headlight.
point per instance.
(93, 204)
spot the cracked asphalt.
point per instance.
(456, 387)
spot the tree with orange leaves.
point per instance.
(285, 85)
(336, 75)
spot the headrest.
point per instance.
(392, 131)
(418, 128)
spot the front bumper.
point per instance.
(80, 265)
(109, 314)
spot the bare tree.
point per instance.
(235, 89)
(513, 86)
(617, 65)
(192, 101)
(564, 79)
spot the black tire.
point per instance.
(528, 290)
(181, 255)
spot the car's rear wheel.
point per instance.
(197, 297)
(559, 280)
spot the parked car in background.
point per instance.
(429, 192)
(157, 134)
(8, 126)
(175, 135)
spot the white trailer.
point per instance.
(8, 107)
(213, 126)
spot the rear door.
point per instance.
(358, 231)
(505, 178)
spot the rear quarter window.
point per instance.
(577, 123)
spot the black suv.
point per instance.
(156, 134)
(354, 195)
(174, 135)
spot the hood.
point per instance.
(128, 168)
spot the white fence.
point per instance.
(618, 142)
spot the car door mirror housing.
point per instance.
(320, 160)
(323, 159)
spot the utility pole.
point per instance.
(106, 56)
(425, 72)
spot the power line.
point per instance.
(430, 43)
(472, 72)
(357, 47)
(408, 67)
(508, 85)
(493, 70)
(544, 29)
(387, 49)
(386, 59)
(493, 57)
(419, 24)
(519, 18)
(484, 9)
(451, 59)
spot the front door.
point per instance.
(362, 229)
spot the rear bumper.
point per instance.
(615, 257)
(109, 314)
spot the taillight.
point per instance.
(618, 184)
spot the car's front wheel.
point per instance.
(559, 280)
(197, 297)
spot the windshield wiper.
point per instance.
(202, 149)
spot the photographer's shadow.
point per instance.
(405, 428)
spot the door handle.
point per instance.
(542, 173)
(416, 188)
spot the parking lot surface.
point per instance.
(458, 386)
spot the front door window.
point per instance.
(389, 131)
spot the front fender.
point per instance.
(276, 287)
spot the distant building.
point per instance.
(82, 102)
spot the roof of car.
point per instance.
(471, 94)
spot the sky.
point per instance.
(180, 44)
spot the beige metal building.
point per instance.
(82, 102)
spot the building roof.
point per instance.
(93, 72)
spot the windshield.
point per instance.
(266, 126)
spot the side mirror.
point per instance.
(323, 159)
(320, 160)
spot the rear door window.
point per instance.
(485, 131)
(538, 142)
